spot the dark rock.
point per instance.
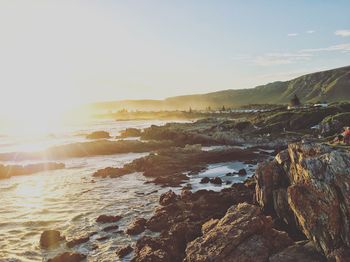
(77, 241)
(229, 174)
(50, 238)
(205, 180)
(242, 172)
(68, 257)
(216, 181)
(110, 228)
(102, 238)
(167, 198)
(300, 252)
(123, 251)
(108, 219)
(98, 135)
(136, 227)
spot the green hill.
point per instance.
(331, 86)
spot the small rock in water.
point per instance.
(167, 198)
(228, 182)
(123, 251)
(229, 174)
(108, 219)
(110, 228)
(205, 180)
(136, 227)
(77, 241)
(68, 257)
(216, 181)
(50, 238)
(242, 172)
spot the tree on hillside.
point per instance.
(295, 101)
(223, 108)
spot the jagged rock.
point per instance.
(243, 234)
(123, 251)
(300, 252)
(50, 238)
(205, 180)
(108, 219)
(242, 172)
(77, 241)
(137, 227)
(307, 186)
(68, 257)
(180, 222)
(167, 198)
(216, 181)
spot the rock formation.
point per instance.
(308, 187)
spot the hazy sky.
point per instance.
(59, 53)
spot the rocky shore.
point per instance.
(295, 208)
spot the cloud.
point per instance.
(281, 58)
(310, 31)
(292, 34)
(342, 32)
(344, 48)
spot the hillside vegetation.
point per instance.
(331, 86)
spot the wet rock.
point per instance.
(307, 186)
(98, 135)
(216, 181)
(77, 241)
(108, 219)
(242, 172)
(136, 227)
(167, 198)
(180, 222)
(124, 251)
(229, 174)
(205, 180)
(243, 234)
(68, 257)
(301, 252)
(50, 238)
(168, 166)
(110, 228)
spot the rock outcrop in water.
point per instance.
(51, 239)
(98, 135)
(18, 170)
(308, 187)
(167, 166)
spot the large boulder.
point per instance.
(307, 186)
(243, 234)
(136, 227)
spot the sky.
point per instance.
(56, 54)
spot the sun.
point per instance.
(34, 120)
